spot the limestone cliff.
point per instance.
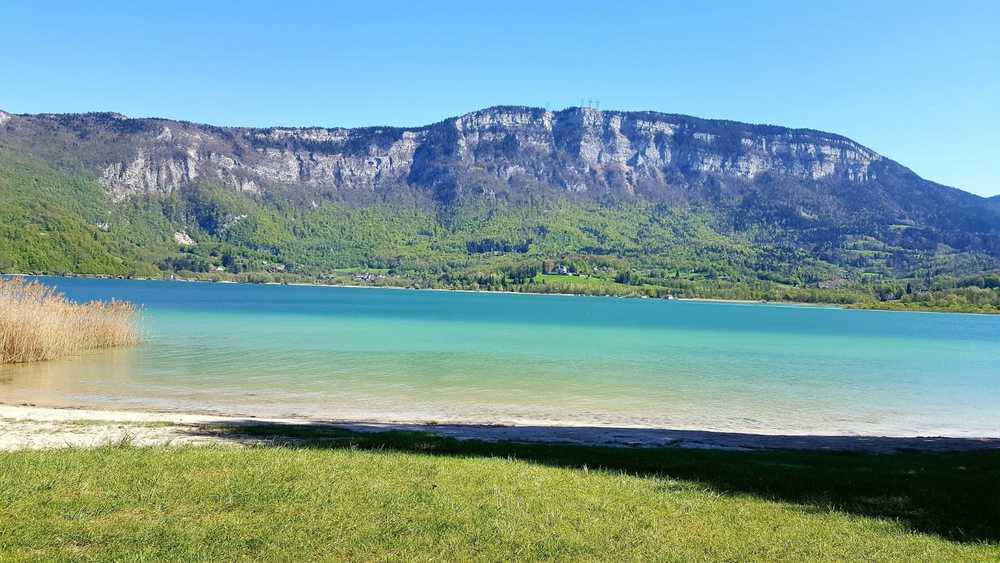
(576, 150)
(748, 172)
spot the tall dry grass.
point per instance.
(38, 323)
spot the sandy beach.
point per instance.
(32, 427)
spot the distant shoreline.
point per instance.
(441, 289)
(820, 305)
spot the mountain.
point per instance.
(486, 191)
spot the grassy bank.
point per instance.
(409, 496)
(36, 323)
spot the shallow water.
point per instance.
(350, 353)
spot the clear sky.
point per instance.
(917, 81)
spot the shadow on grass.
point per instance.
(951, 487)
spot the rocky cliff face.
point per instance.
(577, 150)
(749, 173)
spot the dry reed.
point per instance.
(38, 323)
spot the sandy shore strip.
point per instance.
(30, 427)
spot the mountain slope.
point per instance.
(642, 194)
(803, 177)
(52, 221)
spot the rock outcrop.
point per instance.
(750, 172)
(575, 150)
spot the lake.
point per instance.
(384, 354)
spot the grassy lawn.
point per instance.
(407, 496)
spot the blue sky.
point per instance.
(917, 81)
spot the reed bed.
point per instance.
(39, 323)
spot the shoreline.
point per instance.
(25, 426)
(718, 300)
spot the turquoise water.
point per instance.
(365, 354)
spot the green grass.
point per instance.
(405, 496)
(581, 282)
